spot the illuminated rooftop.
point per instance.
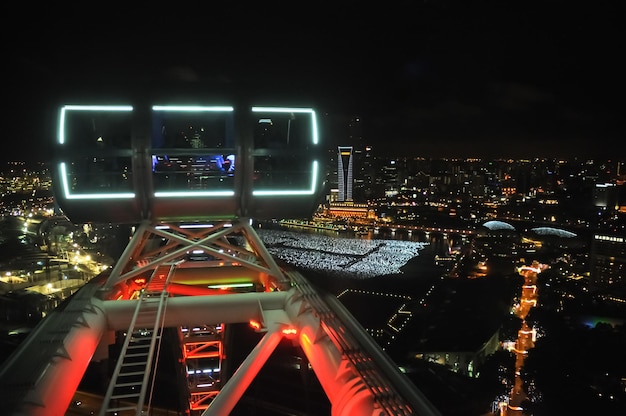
(498, 225)
(554, 232)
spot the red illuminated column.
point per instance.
(56, 387)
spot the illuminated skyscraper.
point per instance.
(608, 259)
(344, 173)
(355, 138)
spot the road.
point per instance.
(525, 336)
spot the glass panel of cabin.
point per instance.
(96, 151)
(193, 150)
(284, 162)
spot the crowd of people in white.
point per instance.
(359, 258)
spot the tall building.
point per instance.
(608, 259)
(605, 195)
(344, 173)
(355, 138)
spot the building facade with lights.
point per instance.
(344, 173)
(608, 259)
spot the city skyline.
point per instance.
(582, 272)
(434, 79)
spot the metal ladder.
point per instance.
(127, 390)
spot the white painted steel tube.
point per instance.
(58, 383)
(199, 310)
(236, 386)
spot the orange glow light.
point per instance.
(290, 331)
(255, 325)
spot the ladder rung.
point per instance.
(136, 383)
(135, 363)
(131, 373)
(142, 354)
(125, 396)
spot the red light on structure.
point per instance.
(140, 281)
(256, 325)
(290, 331)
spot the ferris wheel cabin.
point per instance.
(129, 163)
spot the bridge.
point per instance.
(191, 180)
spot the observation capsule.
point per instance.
(126, 163)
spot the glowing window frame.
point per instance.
(62, 165)
(192, 109)
(314, 164)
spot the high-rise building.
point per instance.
(344, 173)
(605, 195)
(355, 138)
(608, 259)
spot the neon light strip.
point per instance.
(226, 193)
(310, 191)
(314, 175)
(61, 138)
(174, 194)
(68, 195)
(230, 285)
(293, 110)
(314, 135)
(282, 110)
(191, 108)
(66, 108)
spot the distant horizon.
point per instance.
(34, 161)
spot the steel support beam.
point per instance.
(233, 390)
(200, 310)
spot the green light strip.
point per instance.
(68, 195)
(191, 108)
(175, 194)
(177, 108)
(314, 132)
(230, 285)
(311, 191)
(64, 109)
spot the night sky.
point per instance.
(428, 78)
